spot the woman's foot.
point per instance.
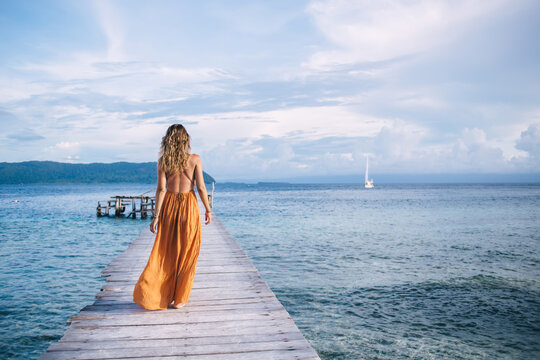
(178, 306)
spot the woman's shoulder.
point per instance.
(194, 158)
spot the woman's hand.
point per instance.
(154, 225)
(207, 217)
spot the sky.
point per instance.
(275, 89)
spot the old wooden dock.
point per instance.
(231, 315)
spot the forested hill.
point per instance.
(56, 172)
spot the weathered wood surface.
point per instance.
(231, 314)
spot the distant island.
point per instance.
(29, 172)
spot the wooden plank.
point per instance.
(196, 294)
(251, 355)
(260, 351)
(203, 305)
(231, 313)
(222, 299)
(176, 318)
(99, 333)
(172, 341)
(214, 285)
(186, 350)
(241, 308)
(204, 270)
(228, 276)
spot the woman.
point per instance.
(168, 275)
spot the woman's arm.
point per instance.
(201, 189)
(160, 195)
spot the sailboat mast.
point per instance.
(366, 169)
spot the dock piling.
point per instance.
(139, 204)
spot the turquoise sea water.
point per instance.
(399, 271)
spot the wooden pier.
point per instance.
(231, 315)
(142, 204)
(139, 204)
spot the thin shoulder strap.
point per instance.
(190, 178)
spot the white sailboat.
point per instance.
(369, 183)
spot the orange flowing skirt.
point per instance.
(168, 275)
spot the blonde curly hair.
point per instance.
(175, 149)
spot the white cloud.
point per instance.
(62, 151)
(472, 152)
(303, 122)
(420, 100)
(66, 145)
(112, 24)
(136, 81)
(396, 148)
(529, 141)
(399, 142)
(371, 31)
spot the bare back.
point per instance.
(182, 182)
(185, 181)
